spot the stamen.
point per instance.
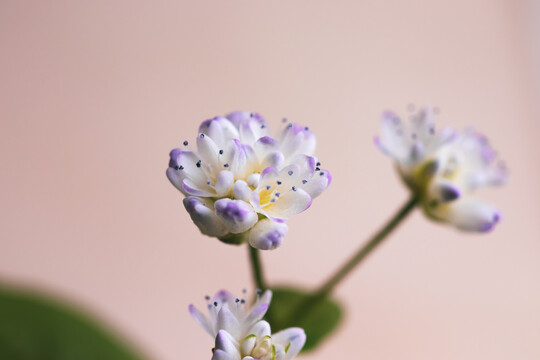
(322, 173)
(304, 181)
(186, 143)
(209, 306)
(263, 126)
(181, 167)
(242, 301)
(237, 300)
(294, 188)
(273, 200)
(290, 172)
(318, 163)
(284, 120)
(220, 152)
(176, 168)
(251, 115)
(202, 136)
(277, 194)
(317, 168)
(289, 126)
(259, 291)
(207, 298)
(226, 165)
(215, 303)
(279, 182)
(199, 163)
(267, 187)
(306, 128)
(208, 182)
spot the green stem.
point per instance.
(256, 268)
(366, 249)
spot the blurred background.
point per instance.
(93, 96)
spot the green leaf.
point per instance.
(36, 327)
(292, 307)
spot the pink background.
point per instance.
(94, 95)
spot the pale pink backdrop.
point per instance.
(94, 94)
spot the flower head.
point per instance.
(239, 332)
(443, 168)
(241, 184)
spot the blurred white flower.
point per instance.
(443, 168)
(260, 344)
(239, 332)
(241, 184)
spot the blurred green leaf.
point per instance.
(36, 327)
(287, 310)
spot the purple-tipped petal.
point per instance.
(227, 343)
(237, 215)
(222, 355)
(267, 234)
(201, 320)
(203, 216)
(296, 337)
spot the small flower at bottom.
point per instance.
(242, 185)
(239, 332)
(260, 344)
(443, 168)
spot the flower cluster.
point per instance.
(443, 168)
(239, 332)
(241, 184)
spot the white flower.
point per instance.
(241, 184)
(260, 344)
(239, 332)
(443, 168)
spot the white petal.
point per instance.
(185, 165)
(201, 320)
(294, 336)
(228, 322)
(267, 234)
(176, 177)
(273, 159)
(297, 139)
(209, 152)
(220, 129)
(289, 203)
(248, 344)
(197, 189)
(253, 179)
(251, 126)
(224, 183)
(264, 146)
(202, 213)
(392, 139)
(318, 183)
(473, 215)
(241, 190)
(260, 329)
(238, 215)
(226, 342)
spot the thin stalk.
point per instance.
(256, 268)
(366, 249)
